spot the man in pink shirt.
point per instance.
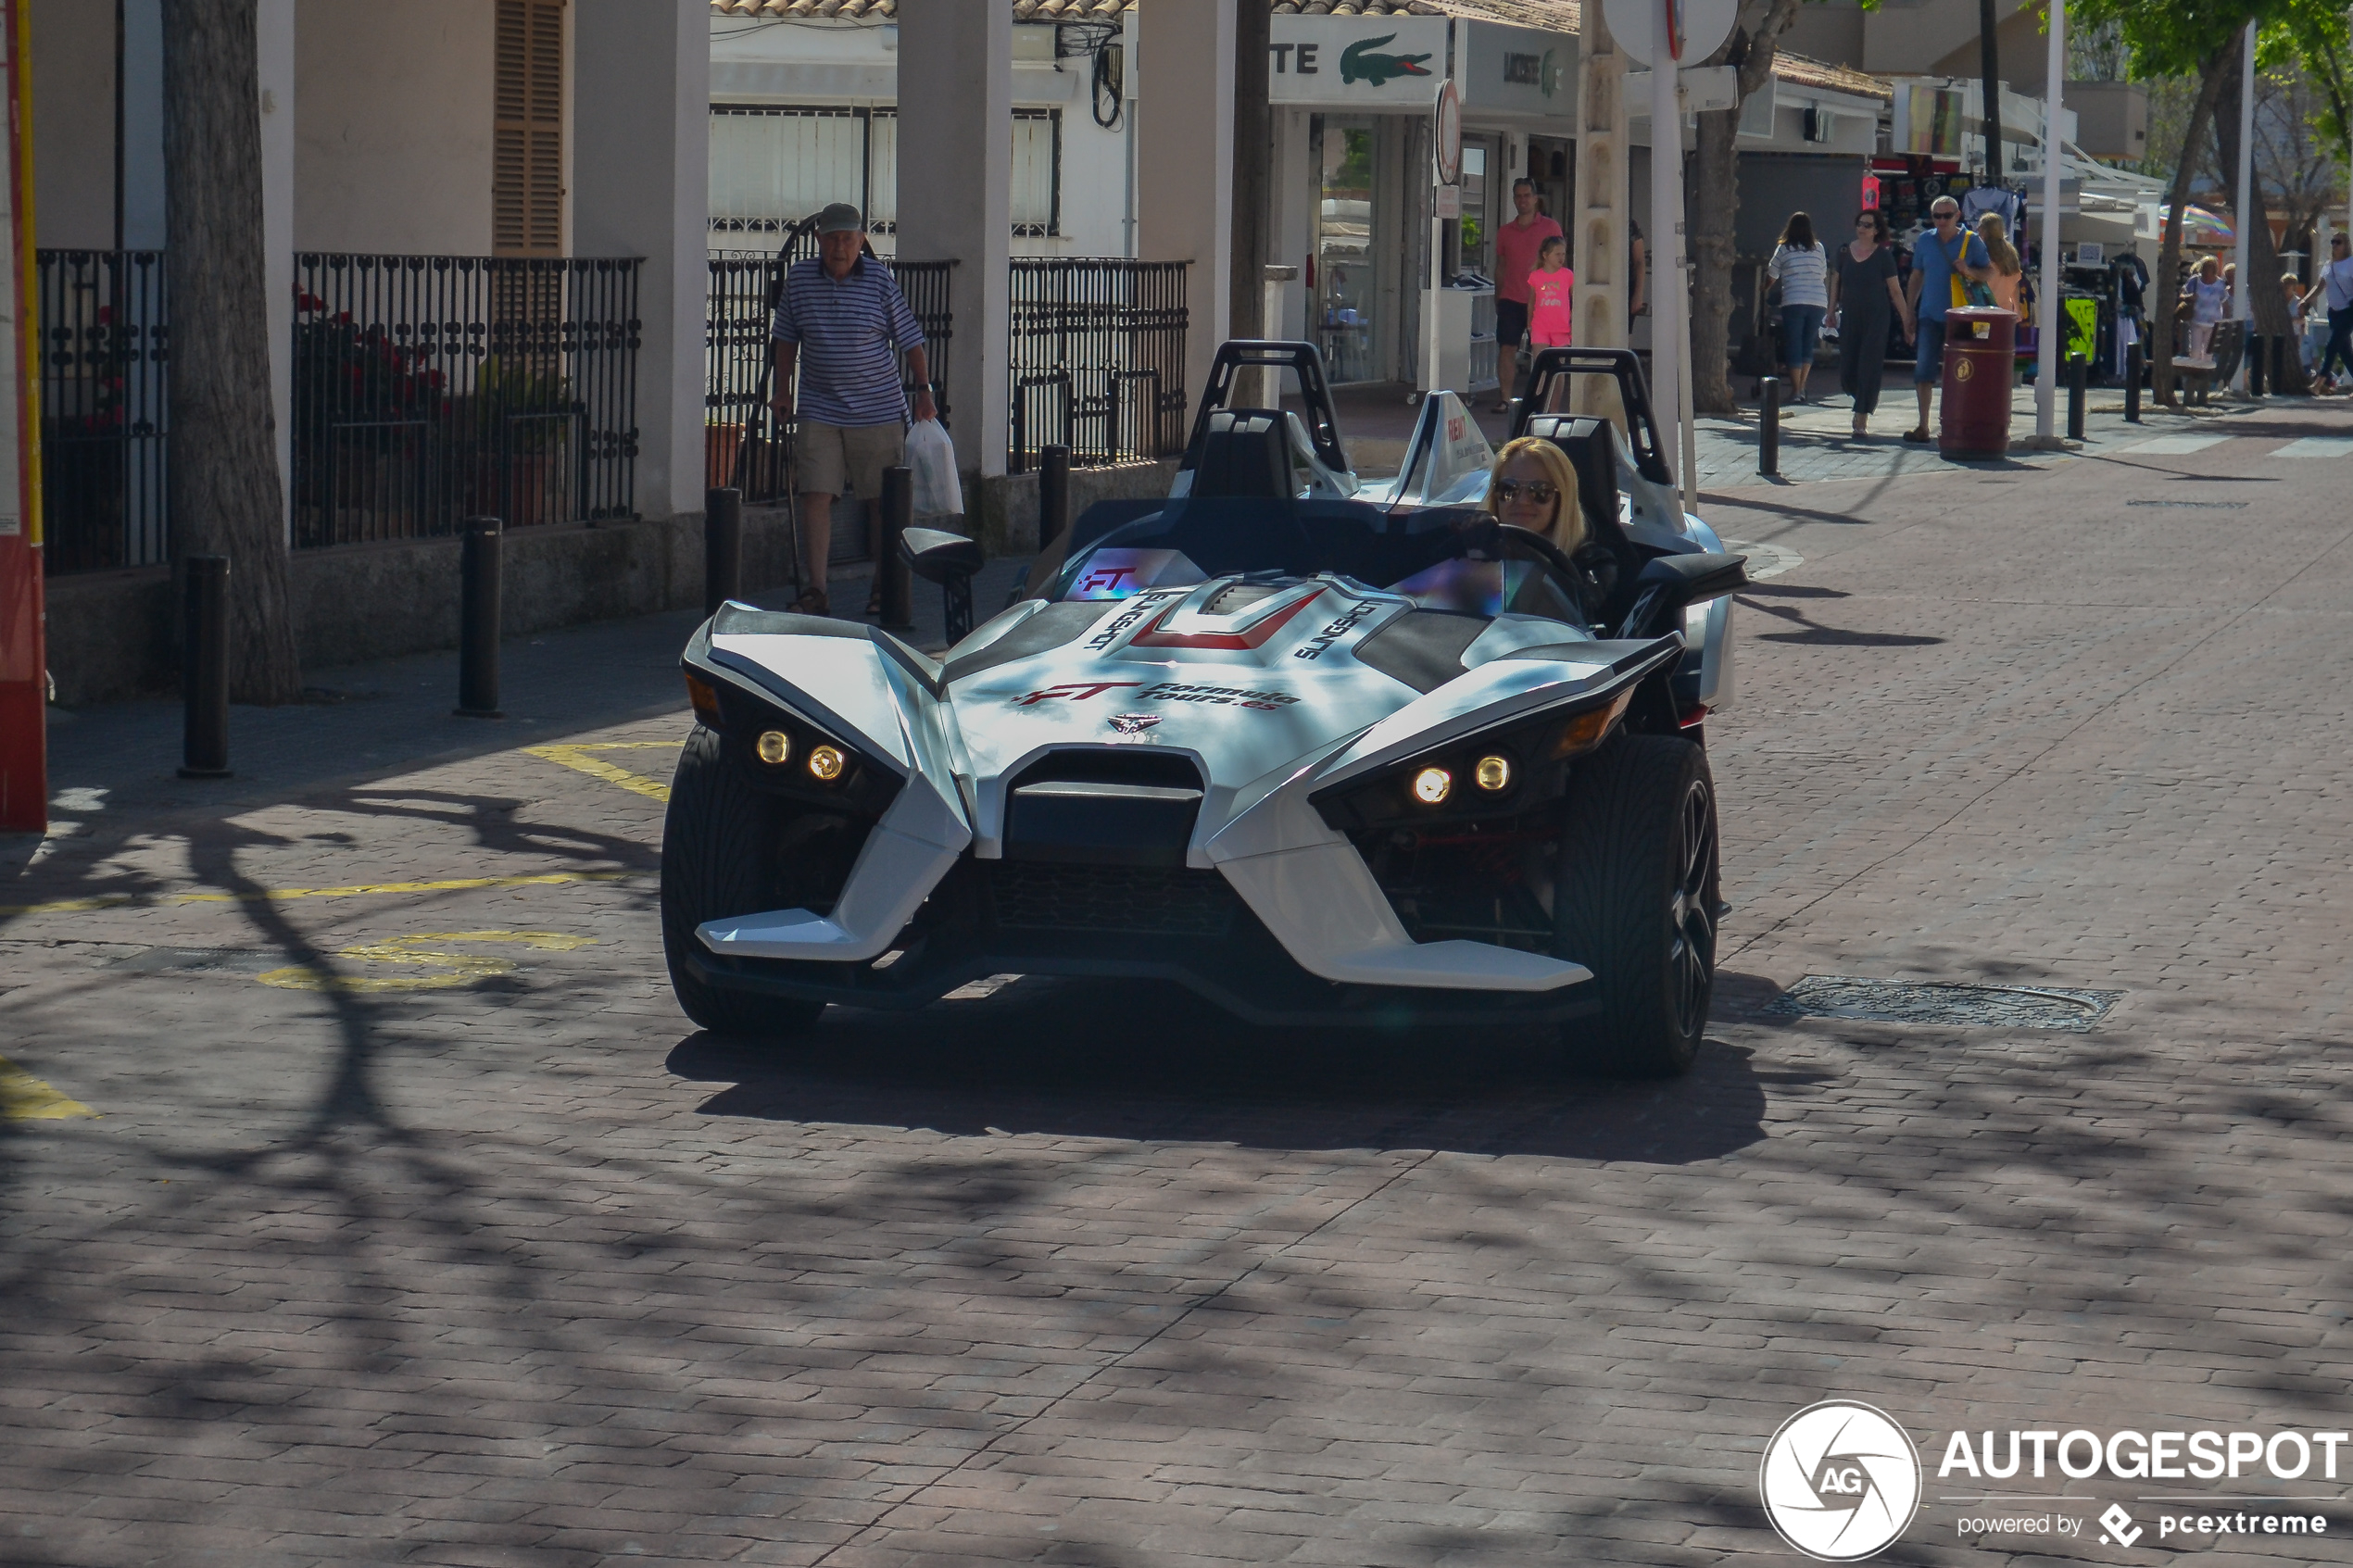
(1517, 244)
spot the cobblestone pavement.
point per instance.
(365, 1199)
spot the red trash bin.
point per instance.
(1980, 349)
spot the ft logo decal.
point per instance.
(1077, 691)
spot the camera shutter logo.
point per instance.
(1841, 1481)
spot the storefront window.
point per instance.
(1474, 253)
(1344, 258)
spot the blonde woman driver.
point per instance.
(1533, 486)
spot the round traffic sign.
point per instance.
(1704, 25)
(1450, 134)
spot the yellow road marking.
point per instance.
(576, 758)
(445, 968)
(24, 1097)
(276, 895)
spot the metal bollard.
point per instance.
(1053, 494)
(1768, 427)
(478, 620)
(2076, 368)
(2255, 364)
(2133, 385)
(723, 548)
(204, 668)
(897, 583)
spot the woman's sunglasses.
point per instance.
(1537, 490)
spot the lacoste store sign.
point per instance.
(1375, 63)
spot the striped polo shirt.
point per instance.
(846, 328)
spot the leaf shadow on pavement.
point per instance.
(1152, 1063)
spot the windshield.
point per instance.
(1448, 559)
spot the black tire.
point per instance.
(718, 843)
(1635, 902)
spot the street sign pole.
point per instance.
(2050, 319)
(2242, 306)
(1667, 230)
(24, 682)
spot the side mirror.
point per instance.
(939, 557)
(1668, 584)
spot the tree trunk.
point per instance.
(224, 491)
(2267, 298)
(1715, 203)
(2166, 291)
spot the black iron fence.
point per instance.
(428, 389)
(745, 441)
(104, 408)
(1097, 359)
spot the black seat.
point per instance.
(1608, 554)
(1245, 452)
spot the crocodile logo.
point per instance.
(1358, 63)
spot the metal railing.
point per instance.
(745, 442)
(104, 408)
(1097, 359)
(428, 389)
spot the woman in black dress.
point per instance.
(1865, 295)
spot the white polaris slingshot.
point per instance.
(1325, 760)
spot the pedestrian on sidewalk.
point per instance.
(1865, 297)
(2337, 278)
(2009, 270)
(1801, 268)
(2208, 295)
(1943, 261)
(1550, 300)
(1520, 243)
(839, 323)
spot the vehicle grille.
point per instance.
(1031, 896)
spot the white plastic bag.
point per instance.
(931, 462)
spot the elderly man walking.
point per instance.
(839, 322)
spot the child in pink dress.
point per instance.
(1548, 297)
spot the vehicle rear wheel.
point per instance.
(1636, 903)
(718, 843)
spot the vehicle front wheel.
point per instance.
(718, 843)
(1636, 902)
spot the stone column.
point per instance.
(956, 199)
(640, 186)
(1599, 238)
(274, 49)
(1597, 228)
(1184, 161)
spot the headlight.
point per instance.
(779, 752)
(1512, 768)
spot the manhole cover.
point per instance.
(2196, 506)
(1900, 1001)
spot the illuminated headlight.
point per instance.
(1431, 785)
(773, 747)
(825, 764)
(1493, 773)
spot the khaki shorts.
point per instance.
(847, 459)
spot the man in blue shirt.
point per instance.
(1936, 256)
(839, 321)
